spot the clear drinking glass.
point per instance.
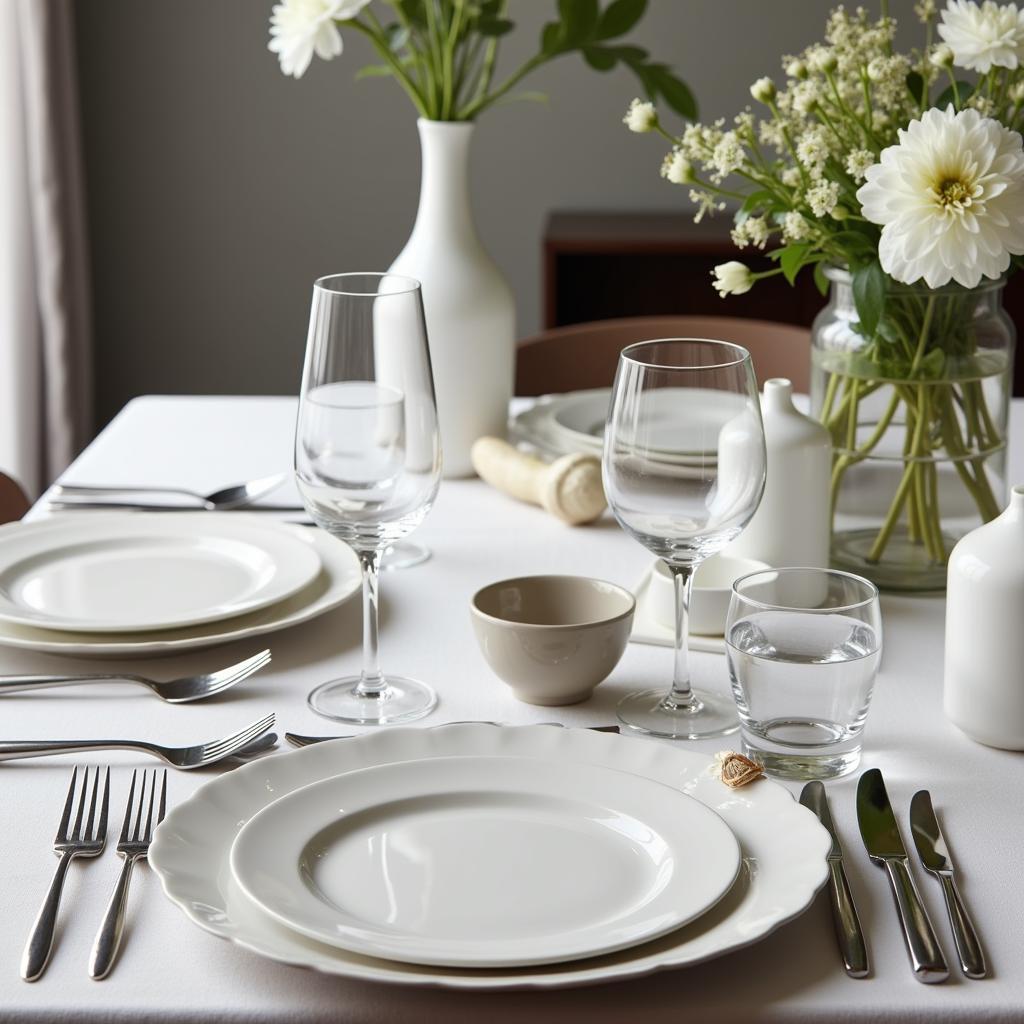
(684, 468)
(803, 647)
(368, 457)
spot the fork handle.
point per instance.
(40, 941)
(108, 938)
(19, 684)
(12, 750)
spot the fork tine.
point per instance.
(62, 828)
(139, 806)
(77, 830)
(220, 748)
(240, 671)
(92, 806)
(148, 834)
(128, 809)
(101, 831)
(163, 799)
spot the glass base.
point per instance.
(803, 767)
(904, 565)
(401, 700)
(404, 554)
(651, 712)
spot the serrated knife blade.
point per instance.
(885, 847)
(849, 933)
(931, 848)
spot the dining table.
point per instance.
(170, 970)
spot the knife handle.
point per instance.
(925, 953)
(849, 933)
(968, 947)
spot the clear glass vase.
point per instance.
(918, 418)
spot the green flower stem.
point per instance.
(376, 37)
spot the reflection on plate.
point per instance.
(485, 861)
(137, 572)
(783, 847)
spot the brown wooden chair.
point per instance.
(585, 355)
(13, 501)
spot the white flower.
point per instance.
(728, 154)
(1016, 93)
(797, 68)
(795, 227)
(790, 177)
(705, 203)
(823, 197)
(812, 151)
(676, 168)
(300, 28)
(942, 56)
(822, 59)
(763, 90)
(950, 199)
(641, 116)
(857, 163)
(985, 36)
(732, 278)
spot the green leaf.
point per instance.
(373, 71)
(761, 197)
(631, 55)
(531, 97)
(948, 96)
(933, 364)
(600, 58)
(579, 20)
(916, 86)
(869, 284)
(551, 39)
(493, 27)
(791, 259)
(675, 92)
(397, 36)
(820, 280)
(619, 17)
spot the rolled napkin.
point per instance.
(569, 488)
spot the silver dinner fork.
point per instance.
(216, 501)
(71, 842)
(178, 757)
(133, 846)
(174, 691)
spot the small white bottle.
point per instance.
(984, 671)
(791, 525)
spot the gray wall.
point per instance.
(219, 189)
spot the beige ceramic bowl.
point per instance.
(709, 598)
(552, 639)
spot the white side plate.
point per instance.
(783, 847)
(137, 572)
(485, 861)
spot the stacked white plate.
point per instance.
(136, 583)
(480, 856)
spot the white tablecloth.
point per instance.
(170, 970)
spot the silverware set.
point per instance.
(884, 844)
(88, 838)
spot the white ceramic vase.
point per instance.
(984, 671)
(469, 307)
(791, 525)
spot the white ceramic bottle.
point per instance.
(791, 525)
(469, 308)
(984, 673)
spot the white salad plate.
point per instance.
(783, 847)
(141, 572)
(559, 424)
(485, 861)
(338, 578)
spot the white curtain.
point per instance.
(45, 374)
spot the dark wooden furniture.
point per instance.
(603, 265)
(13, 501)
(585, 355)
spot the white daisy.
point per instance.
(950, 199)
(300, 28)
(983, 36)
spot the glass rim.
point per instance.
(787, 570)
(741, 354)
(326, 283)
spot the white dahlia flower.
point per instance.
(950, 199)
(983, 36)
(300, 28)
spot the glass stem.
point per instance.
(681, 696)
(371, 682)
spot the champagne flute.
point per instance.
(684, 469)
(368, 457)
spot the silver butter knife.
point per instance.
(931, 848)
(849, 933)
(298, 740)
(885, 847)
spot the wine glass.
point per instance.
(368, 457)
(684, 469)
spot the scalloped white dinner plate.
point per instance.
(485, 861)
(139, 572)
(782, 844)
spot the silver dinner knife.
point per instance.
(931, 848)
(849, 933)
(885, 847)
